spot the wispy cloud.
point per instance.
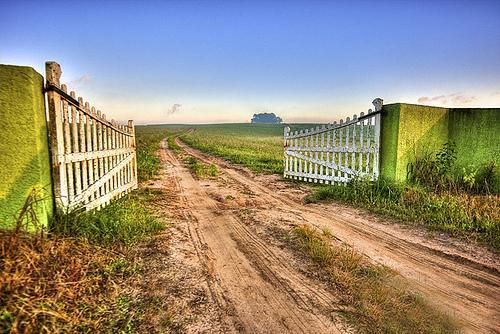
(456, 99)
(78, 82)
(175, 108)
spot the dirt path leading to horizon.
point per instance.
(234, 225)
(255, 285)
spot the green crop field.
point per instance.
(256, 146)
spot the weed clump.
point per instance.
(438, 173)
(375, 299)
(201, 169)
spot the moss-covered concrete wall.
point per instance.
(409, 131)
(24, 152)
(389, 135)
(476, 134)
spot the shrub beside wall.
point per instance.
(24, 152)
(411, 131)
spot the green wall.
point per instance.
(24, 152)
(476, 134)
(409, 131)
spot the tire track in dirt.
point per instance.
(450, 279)
(252, 283)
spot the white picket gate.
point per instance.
(335, 152)
(93, 159)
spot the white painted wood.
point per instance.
(67, 147)
(348, 144)
(85, 156)
(306, 144)
(81, 140)
(339, 144)
(88, 147)
(134, 154)
(105, 146)
(100, 145)
(112, 138)
(316, 144)
(335, 152)
(353, 153)
(76, 149)
(93, 160)
(103, 180)
(286, 159)
(322, 144)
(368, 144)
(108, 197)
(327, 155)
(56, 129)
(95, 148)
(376, 155)
(300, 142)
(361, 133)
(334, 145)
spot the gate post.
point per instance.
(53, 75)
(286, 132)
(378, 104)
(134, 160)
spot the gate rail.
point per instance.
(93, 159)
(335, 152)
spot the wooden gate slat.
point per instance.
(93, 160)
(336, 152)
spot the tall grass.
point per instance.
(438, 173)
(125, 221)
(374, 298)
(148, 142)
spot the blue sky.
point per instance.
(222, 61)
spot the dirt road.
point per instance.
(260, 286)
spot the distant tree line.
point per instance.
(269, 118)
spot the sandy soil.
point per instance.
(228, 234)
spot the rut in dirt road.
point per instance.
(458, 283)
(254, 283)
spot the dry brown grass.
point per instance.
(375, 298)
(56, 284)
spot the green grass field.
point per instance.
(256, 146)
